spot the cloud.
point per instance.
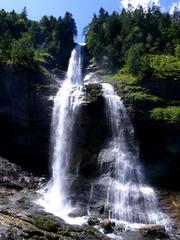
(173, 6)
(136, 3)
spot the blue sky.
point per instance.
(82, 10)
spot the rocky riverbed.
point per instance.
(21, 218)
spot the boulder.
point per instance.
(153, 230)
(78, 212)
(106, 224)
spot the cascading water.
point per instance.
(66, 105)
(120, 184)
(127, 198)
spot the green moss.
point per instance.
(92, 91)
(168, 115)
(45, 224)
(65, 231)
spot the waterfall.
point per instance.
(55, 197)
(120, 186)
(127, 197)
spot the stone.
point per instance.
(119, 228)
(153, 230)
(106, 224)
(78, 212)
(93, 221)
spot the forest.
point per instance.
(141, 48)
(32, 44)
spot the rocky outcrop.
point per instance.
(158, 231)
(13, 177)
(25, 117)
(90, 134)
(22, 218)
(107, 225)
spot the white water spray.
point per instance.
(66, 104)
(127, 198)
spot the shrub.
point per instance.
(169, 114)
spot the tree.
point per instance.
(24, 14)
(22, 53)
(70, 26)
(135, 54)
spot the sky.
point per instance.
(82, 10)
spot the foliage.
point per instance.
(141, 50)
(22, 52)
(135, 54)
(122, 80)
(170, 114)
(129, 85)
(118, 39)
(159, 67)
(30, 43)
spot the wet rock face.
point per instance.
(160, 150)
(25, 116)
(89, 136)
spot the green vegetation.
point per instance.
(124, 39)
(47, 224)
(140, 51)
(167, 115)
(129, 86)
(162, 66)
(31, 44)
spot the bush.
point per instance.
(161, 67)
(169, 114)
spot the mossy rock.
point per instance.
(106, 224)
(92, 92)
(157, 231)
(93, 221)
(47, 224)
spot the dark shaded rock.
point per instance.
(158, 231)
(13, 177)
(25, 116)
